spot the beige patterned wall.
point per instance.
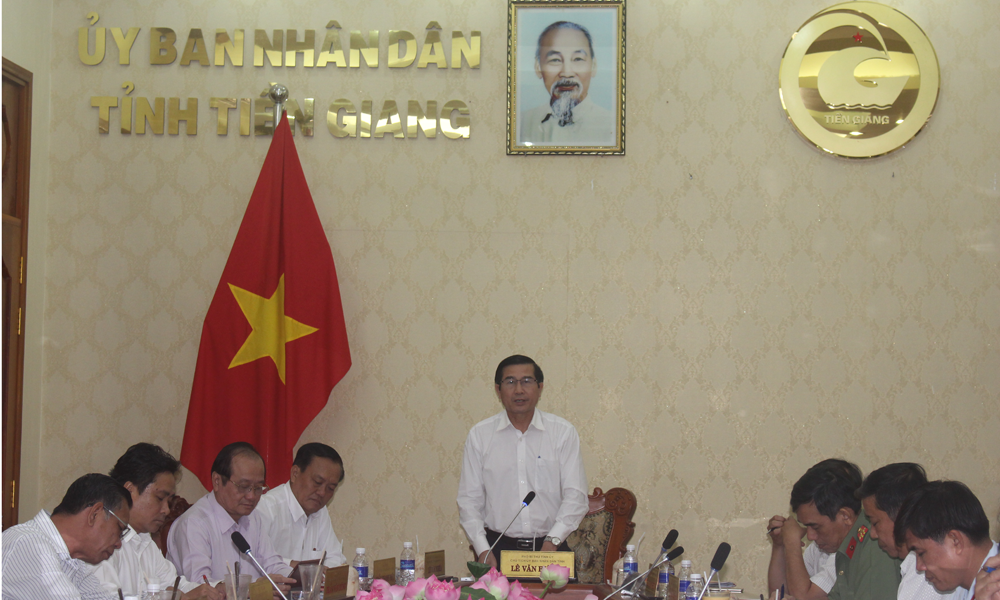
(715, 311)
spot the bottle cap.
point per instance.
(685, 563)
(407, 544)
(695, 576)
(153, 586)
(359, 550)
(629, 548)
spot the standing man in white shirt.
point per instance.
(149, 473)
(517, 451)
(294, 513)
(52, 556)
(882, 494)
(945, 525)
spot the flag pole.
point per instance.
(278, 94)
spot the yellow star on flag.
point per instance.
(272, 328)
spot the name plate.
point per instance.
(261, 590)
(336, 581)
(434, 564)
(385, 568)
(516, 563)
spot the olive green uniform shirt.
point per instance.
(864, 571)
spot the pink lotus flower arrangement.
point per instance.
(490, 586)
(421, 589)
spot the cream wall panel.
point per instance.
(715, 311)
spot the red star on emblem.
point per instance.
(857, 37)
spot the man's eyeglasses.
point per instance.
(525, 382)
(125, 527)
(244, 488)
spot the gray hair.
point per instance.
(563, 25)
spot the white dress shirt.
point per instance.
(296, 536)
(501, 465)
(914, 586)
(36, 564)
(822, 567)
(138, 559)
(967, 594)
(200, 543)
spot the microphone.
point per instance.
(527, 500)
(670, 539)
(670, 556)
(717, 561)
(675, 553)
(244, 547)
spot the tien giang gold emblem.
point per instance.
(859, 79)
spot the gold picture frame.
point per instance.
(572, 99)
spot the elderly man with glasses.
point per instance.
(517, 451)
(51, 556)
(200, 541)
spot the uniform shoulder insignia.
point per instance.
(862, 532)
(851, 547)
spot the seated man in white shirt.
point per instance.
(945, 525)
(52, 556)
(149, 473)
(294, 513)
(517, 451)
(882, 494)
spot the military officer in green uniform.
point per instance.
(864, 572)
(830, 514)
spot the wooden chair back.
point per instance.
(600, 539)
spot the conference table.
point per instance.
(573, 591)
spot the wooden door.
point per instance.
(16, 152)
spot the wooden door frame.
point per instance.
(22, 79)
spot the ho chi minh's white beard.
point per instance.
(562, 103)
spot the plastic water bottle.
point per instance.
(619, 573)
(407, 564)
(630, 569)
(684, 579)
(694, 589)
(361, 565)
(152, 591)
(663, 581)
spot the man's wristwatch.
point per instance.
(555, 540)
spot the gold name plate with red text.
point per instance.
(516, 563)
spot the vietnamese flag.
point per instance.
(274, 342)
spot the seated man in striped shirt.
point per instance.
(51, 556)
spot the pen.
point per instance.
(205, 577)
(989, 569)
